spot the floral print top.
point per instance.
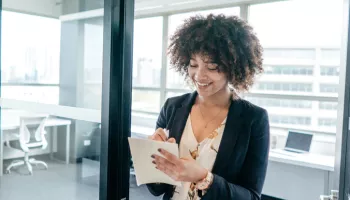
(204, 153)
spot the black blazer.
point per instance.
(240, 166)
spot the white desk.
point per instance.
(13, 123)
(314, 161)
(302, 177)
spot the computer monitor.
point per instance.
(298, 142)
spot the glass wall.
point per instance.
(51, 71)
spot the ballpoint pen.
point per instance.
(166, 133)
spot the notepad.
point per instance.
(145, 171)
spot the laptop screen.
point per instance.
(299, 141)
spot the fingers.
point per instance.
(168, 172)
(159, 135)
(165, 166)
(171, 140)
(187, 158)
(170, 157)
(163, 162)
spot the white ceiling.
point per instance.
(154, 6)
(142, 7)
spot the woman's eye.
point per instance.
(212, 68)
(193, 65)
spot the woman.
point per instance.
(223, 140)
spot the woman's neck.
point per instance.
(222, 98)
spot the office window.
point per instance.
(174, 80)
(147, 61)
(330, 71)
(328, 106)
(146, 101)
(29, 61)
(290, 54)
(330, 56)
(290, 120)
(328, 122)
(299, 44)
(297, 114)
(147, 64)
(287, 87)
(289, 70)
(30, 67)
(280, 103)
(173, 94)
(329, 88)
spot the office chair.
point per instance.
(28, 141)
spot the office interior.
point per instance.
(51, 69)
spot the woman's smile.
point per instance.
(203, 85)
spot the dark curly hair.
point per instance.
(228, 42)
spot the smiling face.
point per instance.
(206, 76)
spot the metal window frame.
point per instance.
(342, 152)
(116, 99)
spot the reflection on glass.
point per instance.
(81, 62)
(147, 101)
(93, 50)
(147, 52)
(93, 56)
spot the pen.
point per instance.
(166, 133)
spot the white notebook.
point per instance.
(145, 171)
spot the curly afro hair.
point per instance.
(228, 42)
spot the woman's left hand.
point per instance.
(179, 169)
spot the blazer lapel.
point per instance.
(229, 137)
(181, 116)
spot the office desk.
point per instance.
(302, 177)
(13, 123)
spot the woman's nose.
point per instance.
(201, 72)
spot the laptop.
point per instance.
(297, 142)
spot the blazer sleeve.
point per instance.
(252, 176)
(158, 189)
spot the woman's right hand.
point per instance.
(160, 135)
